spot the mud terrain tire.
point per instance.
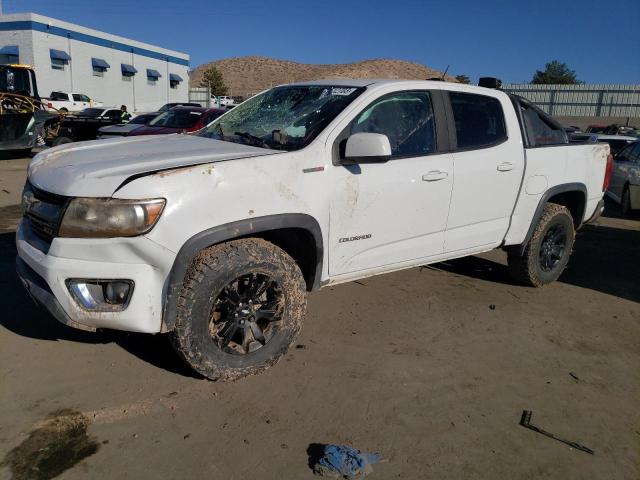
(212, 283)
(530, 268)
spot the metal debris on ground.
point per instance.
(345, 462)
(525, 421)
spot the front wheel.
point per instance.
(241, 307)
(548, 251)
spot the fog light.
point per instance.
(101, 295)
(116, 293)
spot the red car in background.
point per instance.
(178, 120)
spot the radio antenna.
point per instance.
(445, 72)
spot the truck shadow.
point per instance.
(605, 259)
(22, 317)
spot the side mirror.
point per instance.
(367, 148)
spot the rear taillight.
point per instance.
(607, 173)
(50, 105)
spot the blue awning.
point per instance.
(99, 63)
(174, 77)
(151, 73)
(128, 69)
(10, 50)
(59, 55)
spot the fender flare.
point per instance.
(232, 231)
(553, 191)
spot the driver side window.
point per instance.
(406, 118)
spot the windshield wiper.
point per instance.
(256, 141)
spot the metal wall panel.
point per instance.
(585, 100)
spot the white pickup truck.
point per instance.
(70, 101)
(216, 237)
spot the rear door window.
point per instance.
(479, 120)
(540, 128)
(406, 118)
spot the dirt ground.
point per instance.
(432, 367)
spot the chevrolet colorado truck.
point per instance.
(216, 237)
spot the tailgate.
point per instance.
(589, 163)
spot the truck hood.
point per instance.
(98, 168)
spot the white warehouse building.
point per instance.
(108, 68)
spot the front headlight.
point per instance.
(110, 217)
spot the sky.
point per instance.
(505, 39)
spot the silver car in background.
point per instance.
(624, 188)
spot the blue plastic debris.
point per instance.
(346, 461)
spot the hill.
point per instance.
(248, 75)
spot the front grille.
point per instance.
(44, 211)
(52, 198)
(41, 228)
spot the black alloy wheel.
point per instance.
(246, 314)
(547, 252)
(241, 306)
(552, 247)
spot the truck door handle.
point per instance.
(434, 176)
(505, 167)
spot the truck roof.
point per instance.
(368, 82)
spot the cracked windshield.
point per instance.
(283, 118)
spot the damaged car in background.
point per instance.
(178, 120)
(24, 119)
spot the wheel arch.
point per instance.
(571, 195)
(295, 233)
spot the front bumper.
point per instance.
(42, 295)
(137, 258)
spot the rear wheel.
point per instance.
(548, 251)
(240, 309)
